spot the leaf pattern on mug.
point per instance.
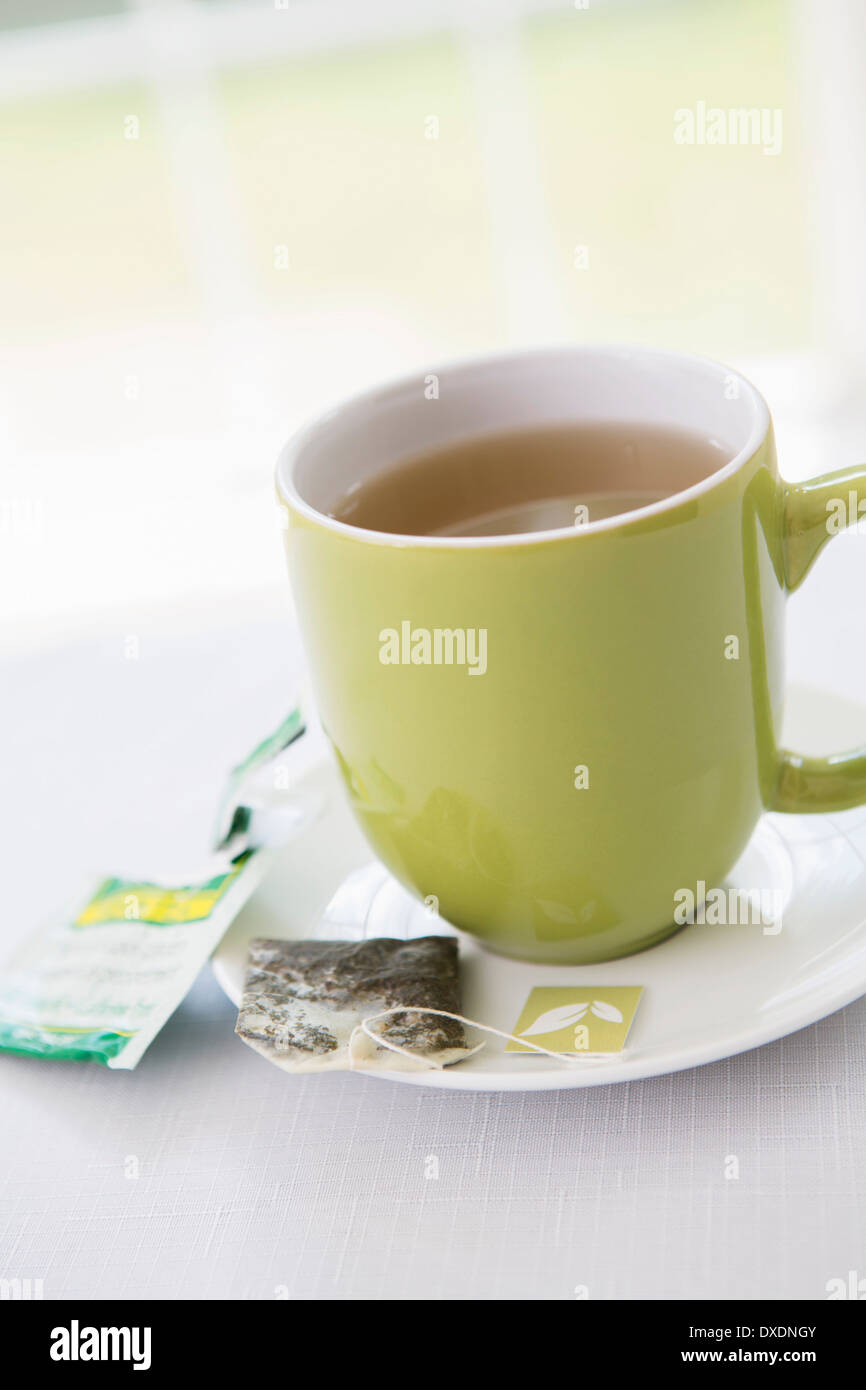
(608, 1012)
(554, 1019)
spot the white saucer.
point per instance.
(709, 991)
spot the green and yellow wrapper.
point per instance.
(99, 987)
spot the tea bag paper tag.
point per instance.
(593, 1020)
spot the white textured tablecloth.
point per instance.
(254, 1184)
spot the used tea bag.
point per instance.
(304, 1000)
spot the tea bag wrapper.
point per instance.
(252, 812)
(303, 1001)
(99, 985)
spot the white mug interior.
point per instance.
(559, 386)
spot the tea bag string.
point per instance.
(363, 1028)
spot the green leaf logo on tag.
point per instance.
(594, 1018)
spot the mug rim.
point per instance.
(293, 450)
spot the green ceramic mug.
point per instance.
(600, 729)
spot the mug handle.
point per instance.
(838, 782)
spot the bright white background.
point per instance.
(221, 215)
